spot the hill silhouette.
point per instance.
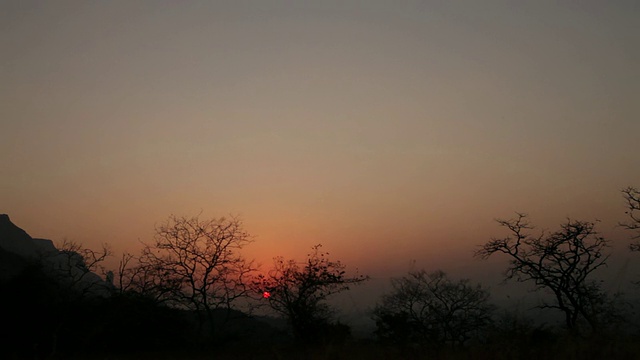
(47, 312)
(18, 249)
(15, 240)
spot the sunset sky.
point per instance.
(388, 131)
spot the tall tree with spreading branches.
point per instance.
(562, 262)
(195, 264)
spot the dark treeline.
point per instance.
(191, 294)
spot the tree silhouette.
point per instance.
(194, 264)
(632, 196)
(299, 291)
(562, 262)
(430, 309)
(79, 268)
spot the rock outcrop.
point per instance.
(15, 240)
(19, 250)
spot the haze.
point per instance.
(387, 131)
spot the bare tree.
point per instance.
(74, 270)
(561, 262)
(632, 196)
(134, 278)
(430, 309)
(194, 264)
(79, 268)
(138, 275)
(299, 291)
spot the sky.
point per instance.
(392, 132)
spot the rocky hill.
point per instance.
(18, 250)
(15, 240)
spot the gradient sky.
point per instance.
(389, 131)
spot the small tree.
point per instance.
(430, 309)
(632, 196)
(561, 262)
(74, 271)
(194, 264)
(299, 291)
(78, 268)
